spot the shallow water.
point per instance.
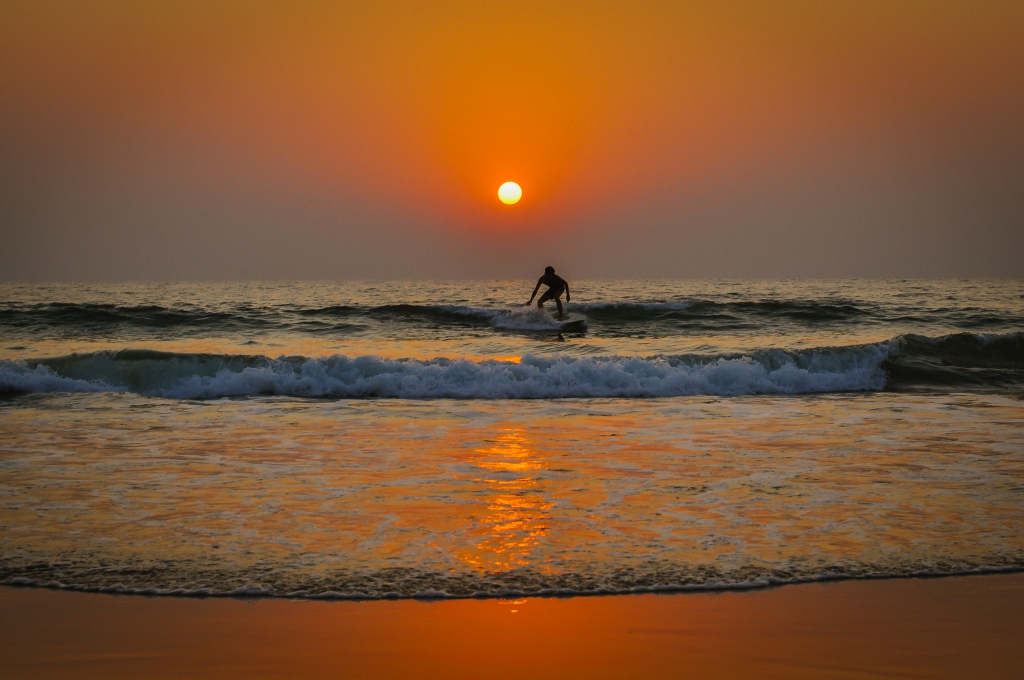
(833, 443)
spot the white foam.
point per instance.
(526, 318)
(251, 591)
(713, 585)
(537, 377)
(15, 376)
(200, 377)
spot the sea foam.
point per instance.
(204, 376)
(911, 362)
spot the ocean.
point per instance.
(396, 439)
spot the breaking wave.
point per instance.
(904, 363)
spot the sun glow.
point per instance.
(510, 193)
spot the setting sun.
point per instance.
(510, 193)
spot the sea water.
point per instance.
(432, 439)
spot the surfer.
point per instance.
(556, 285)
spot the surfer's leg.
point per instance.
(558, 303)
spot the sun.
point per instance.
(510, 193)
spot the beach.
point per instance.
(955, 627)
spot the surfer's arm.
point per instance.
(566, 289)
(535, 289)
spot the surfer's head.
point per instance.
(549, 270)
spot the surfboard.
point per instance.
(573, 323)
(529, 319)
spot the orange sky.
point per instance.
(325, 140)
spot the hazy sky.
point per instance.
(257, 140)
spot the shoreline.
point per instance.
(904, 627)
(253, 593)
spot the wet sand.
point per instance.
(937, 628)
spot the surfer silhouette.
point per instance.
(556, 285)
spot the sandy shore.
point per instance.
(938, 628)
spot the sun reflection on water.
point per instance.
(516, 517)
(380, 497)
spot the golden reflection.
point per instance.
(516, 517)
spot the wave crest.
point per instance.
(907, 362)
(201, 376)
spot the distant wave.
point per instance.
(515, 318)
(807, 311)
(610, 311)
(85, 318)
(909, 362)
(81, 318)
